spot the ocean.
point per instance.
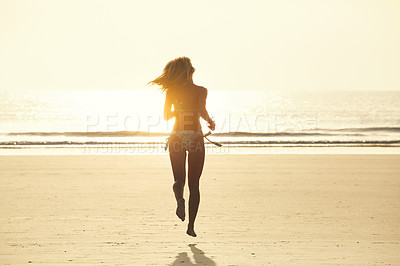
(130, 121)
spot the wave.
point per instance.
(278, 134)
(227, 143)
(357, 131)
(362, 129)
(91, 134)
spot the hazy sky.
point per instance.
(268, 45)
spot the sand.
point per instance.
(254, 210)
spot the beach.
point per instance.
(277, 209)
(297, 103)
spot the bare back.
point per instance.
(189, 104)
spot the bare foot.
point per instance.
(190, 231)
(180, 209)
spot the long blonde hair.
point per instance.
(176, 73)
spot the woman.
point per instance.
(189, 104)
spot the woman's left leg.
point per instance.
(177, 156)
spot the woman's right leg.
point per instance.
(177, 156)
(196, 163)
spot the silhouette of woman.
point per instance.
(187, 103)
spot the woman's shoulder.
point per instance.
(202, 89)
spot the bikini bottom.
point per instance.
(187, 140)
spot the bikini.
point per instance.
(187, 137)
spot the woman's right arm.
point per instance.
(168, 114)
(204, 114)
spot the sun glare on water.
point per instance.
(125, 110)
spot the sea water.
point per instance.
(131, 120)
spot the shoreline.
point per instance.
(116, 150)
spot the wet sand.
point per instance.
(254, 210)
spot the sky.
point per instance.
(234, 45)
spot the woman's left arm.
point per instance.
(168, 113)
